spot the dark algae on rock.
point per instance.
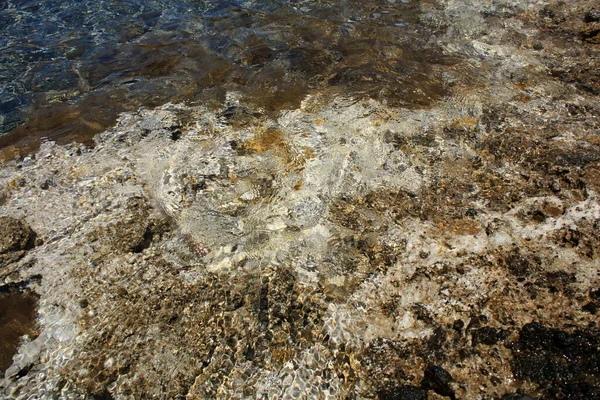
(18, 313)
(439, 380)
(564, 365)
(404, 393)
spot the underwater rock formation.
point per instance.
(344, 249)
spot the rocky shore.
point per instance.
(347, 249)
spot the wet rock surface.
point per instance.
(439, 380)
(15, 234)
(404, 393)
(345, 248)
(565, 365)
(18, 306)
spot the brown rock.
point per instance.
(129, 231)
(592, 15)
(591, 32)
(15, 234)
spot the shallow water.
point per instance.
(67, 69)
(18, 313)
(348, 249)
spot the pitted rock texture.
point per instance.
(15, 234)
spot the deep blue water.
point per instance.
(67, 68)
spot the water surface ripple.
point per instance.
(68, 68)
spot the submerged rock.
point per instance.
(404, 393)
(15, 234)
(592, 15)
(563, 364)
(517, 397)
(346, 248)
(488, 335)
(18, 313)
(439, 380)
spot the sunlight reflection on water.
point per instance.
(69, 68)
